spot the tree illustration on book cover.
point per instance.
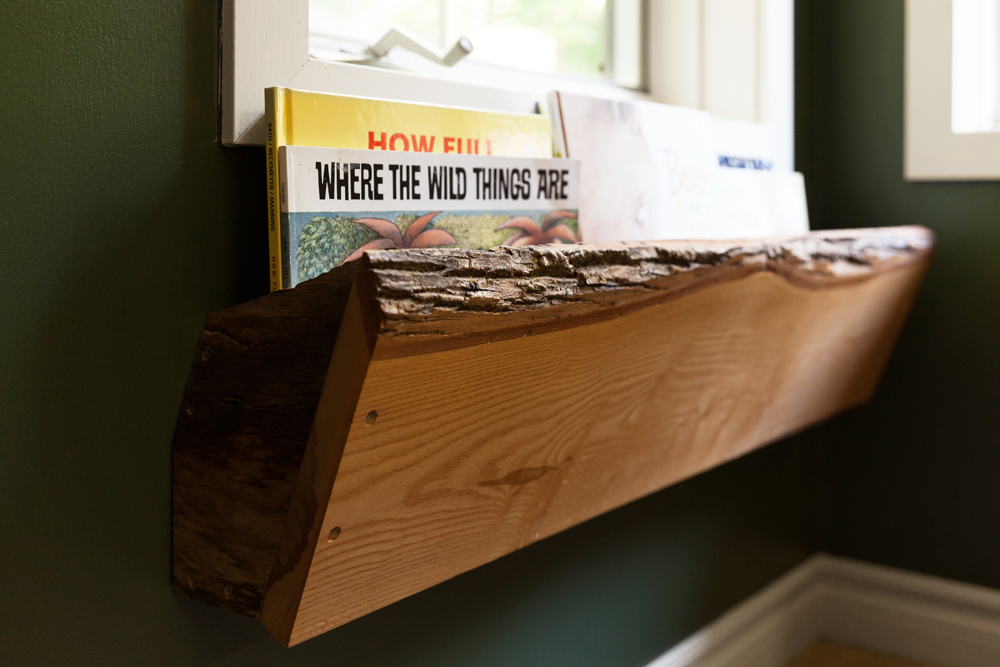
(552, 230)
(417, 235)
(328, 240)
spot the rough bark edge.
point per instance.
(435, 299)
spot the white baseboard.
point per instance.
(851, 602)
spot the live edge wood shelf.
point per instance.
(411, 416)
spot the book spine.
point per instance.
(275, 127)
(558, 133)
(285, 195)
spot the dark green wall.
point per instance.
(913, 480)
(123, 225)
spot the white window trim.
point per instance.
(931, 150)
(266, 43)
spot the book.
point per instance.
(651, 172)
(301, 118)
(646, 166)
(756, 202)
(336, 203)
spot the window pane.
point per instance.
(975, 66)
(626, 60)
(558, 36)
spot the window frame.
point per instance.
(474, 70)
(931, 150)
(266, 43)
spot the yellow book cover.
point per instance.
(301, 118)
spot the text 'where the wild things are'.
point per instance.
(366, 181)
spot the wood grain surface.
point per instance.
(518, 393)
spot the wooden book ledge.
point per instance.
(411, 416)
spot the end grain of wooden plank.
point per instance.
(244, 420)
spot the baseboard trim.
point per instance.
(852, 602)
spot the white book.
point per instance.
(747, 203)
(644, 166)
(651, 172)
